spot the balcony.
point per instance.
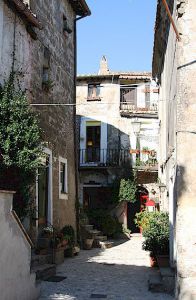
(128, 109)
(93, 158)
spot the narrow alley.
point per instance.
(119, 273)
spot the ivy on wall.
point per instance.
(20, 143)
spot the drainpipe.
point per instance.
(171, 19)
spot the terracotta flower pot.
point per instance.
(153, 260)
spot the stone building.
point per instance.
(42, 37)
(116, 112)
(174, 68)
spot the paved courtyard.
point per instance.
(119, 273)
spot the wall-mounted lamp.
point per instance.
(162, 187)
(136, 126)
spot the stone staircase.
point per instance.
(99, 240)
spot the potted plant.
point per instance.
(156, 235)
(69, 234)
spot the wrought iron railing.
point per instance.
(96, 157)
(129, 107)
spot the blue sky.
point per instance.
(121, 30)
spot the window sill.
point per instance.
(63, 196)
(93, 99)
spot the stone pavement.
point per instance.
(119, 273)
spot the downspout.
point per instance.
(75, 133)
(171, 19)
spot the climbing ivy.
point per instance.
(20, 143)
(127, 190)
(19, 130)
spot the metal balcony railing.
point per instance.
(96, 157)
(129, 107)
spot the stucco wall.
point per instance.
(176, 70)
(116, 131)
(16, 280)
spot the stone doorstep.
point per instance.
(44, 271)
(162, 282)
(155, 284)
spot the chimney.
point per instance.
(103, 66)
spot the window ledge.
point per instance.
(63, 196)
(93, 98)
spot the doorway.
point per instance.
(93, 142)
(132, 209)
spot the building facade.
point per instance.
(174, 67)
(41, 49)
(118, 130)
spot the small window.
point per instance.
(66, 27)
(94, 92)
(62, 177)
(46, 66)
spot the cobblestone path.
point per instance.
(119, 273)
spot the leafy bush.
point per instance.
(69, 233)
(156, 233)
(20, 146)
(142, 219)
(105, 222)
(127, 190)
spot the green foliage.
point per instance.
(69, 233)
(108, 224)
(156, 233)
(127, 190)
(142, 219)
(20, 146)
(19, 130)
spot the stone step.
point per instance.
(106, 245)
(94, 232)
(155, 284)
(37, 260)
(168, 279)
(44, 272)
(101, 238)
(88, 227)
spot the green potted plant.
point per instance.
(156, 236)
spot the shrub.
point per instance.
(156, 233)
(105, 222)
(142, 219)
(69, 233)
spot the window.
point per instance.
(147, 96)
(62, 178)
(46, 66)
(94, 92)
(66, 27)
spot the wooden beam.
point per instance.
(171, 19)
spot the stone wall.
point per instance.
(57, 122)
(55, 48)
